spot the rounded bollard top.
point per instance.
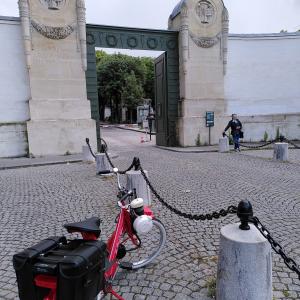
(245, 213)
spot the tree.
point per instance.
(115, 73)
(149, 80)
(132, 93)
(100, 55)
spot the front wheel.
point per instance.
(152, 244)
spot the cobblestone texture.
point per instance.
(35, 202)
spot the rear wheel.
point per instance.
(151, 246)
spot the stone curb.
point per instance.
(40, 164)
(136, 130)
(184, 151)
(171, 149)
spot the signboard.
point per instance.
(210, 119)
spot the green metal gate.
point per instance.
(101, 36)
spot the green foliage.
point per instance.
(266, 136)
(198, 140)
(286, 293)
(277, 133)
(132, 91)
(211, 285)
(148, 85)
(100, 55)
(121, 78)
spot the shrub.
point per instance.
(198, 140)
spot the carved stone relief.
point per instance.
(206, 12)
(205, 42)
(53, 4)
(54, 33)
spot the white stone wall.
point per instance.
(262, 84)
(14, 90)
(263, 74)
(255, 127)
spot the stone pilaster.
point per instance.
(203, 33)
(25, 21)
(55, 43)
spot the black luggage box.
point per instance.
(78, 266)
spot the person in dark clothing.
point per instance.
(150, 119)
(236, 127)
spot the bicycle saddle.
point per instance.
(91, 225)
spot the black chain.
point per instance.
(292, 143)
(109, 160)
(103, 146)
(258, 146)
(203, 217)
(290, 263)
(280, 139)
(129, 168)
(88, 143)
(104, 149)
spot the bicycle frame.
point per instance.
(124, 226)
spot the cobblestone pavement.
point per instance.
(35, 202)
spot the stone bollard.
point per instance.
(281, 151)
(223, 144)
(245, 261)
(86, 154)
(102, 164)
(135, 180)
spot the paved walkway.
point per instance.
(36, 202)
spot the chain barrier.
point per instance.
(104, 149)
(279, 139)
(201, 217)
(244, 215)
(292, 143)
(88, 143)
(258, 146)
(290, 263)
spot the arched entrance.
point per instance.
(166, 70)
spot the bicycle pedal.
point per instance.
(126, 265)
(121, 251)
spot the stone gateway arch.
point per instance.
(60, 55)
(203, 76)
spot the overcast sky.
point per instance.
(246, 16)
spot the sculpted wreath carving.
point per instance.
(206, 42)
(54, 33)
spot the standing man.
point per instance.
(150, 119)
(236, 128)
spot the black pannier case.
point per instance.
(78, 265)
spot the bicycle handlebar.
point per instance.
(128, 194)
